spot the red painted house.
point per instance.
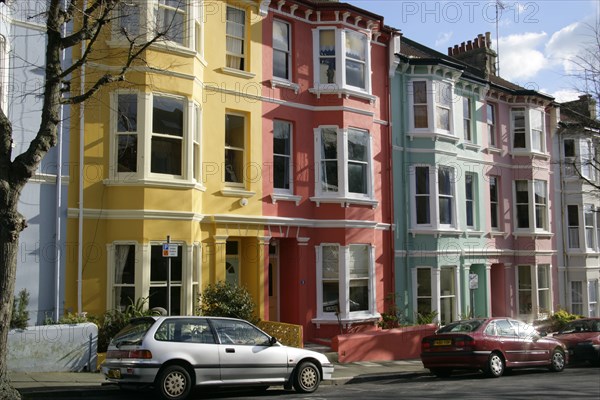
(327, 173)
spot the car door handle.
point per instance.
(229, 350)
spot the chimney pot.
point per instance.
(449, 51)
(469, 45)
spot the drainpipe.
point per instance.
(81, 173)
(58, 228)
(562, 216)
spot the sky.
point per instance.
(537, 38)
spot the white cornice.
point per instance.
(91, 213)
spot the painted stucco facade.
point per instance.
(474, 227)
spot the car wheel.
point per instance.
(441, 372)
(557, 362)
(495, 366)
(307, 377)
(174, 383)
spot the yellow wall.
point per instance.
(183, 74)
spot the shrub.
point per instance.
(555, 322)
(223, 299)
(20, 315)
(426, 318)
(391, 317)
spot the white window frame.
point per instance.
(343, 192)
(433, 93)
(491, 108)
(472, 200)
(433, 289)
(191, 259)
(196, 146)
(112, 259)
(569, 170)
(344, 279)
(572, 228)
(576, 297)
(434, 199)
(544, 290)
(588, 226)
(339, 82)
(440, 94)
(528, 131)
(587, 159)
(290, 156)
(241, 182)
(288, 52)
(468, 128)
(162, 7)
(592, 288)
(456, 304)
(114, 155)
(534, 292)
(244, 39)
(185, 138)
(531, 207)
(497, 203)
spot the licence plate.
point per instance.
(114, 373)
(442, 342)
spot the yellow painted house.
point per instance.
(174, 151)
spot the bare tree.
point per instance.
(86, 27)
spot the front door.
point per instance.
(273, 281)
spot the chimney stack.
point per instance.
(477, 53)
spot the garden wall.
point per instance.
(53, 348)
(382, 345)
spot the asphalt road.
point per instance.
(573, 383)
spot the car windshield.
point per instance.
(461, 326)
(582, 326)
(133, 333)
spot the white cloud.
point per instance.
(443, 38)
(520, 57)
(565, 95)
(567, 43)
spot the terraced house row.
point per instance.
(312, 154)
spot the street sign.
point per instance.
(169, 250)
(473, 281)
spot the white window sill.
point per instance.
(474, 233)
(236, 192)
(434, 136)
(492, 234)
(435, 232)
(285, 84)
(178, 184)
(237, 72)
(334, 89)
(493, 150)
(170, 47)
(345, 201)
(471, 146)
(535, 235)
(531, 154)
(275, 197)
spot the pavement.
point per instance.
(61, 384)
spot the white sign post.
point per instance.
(473, 285)
(169, 250)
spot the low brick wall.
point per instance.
(382, 345)
(53, 348)
(287, 334)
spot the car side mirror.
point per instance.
(272, 340)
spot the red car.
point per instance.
(582, 338)
(491, 345)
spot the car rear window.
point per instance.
(134, 332)
(582, 326)
(461, 326)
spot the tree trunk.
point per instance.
(11, 225)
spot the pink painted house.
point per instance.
(326, 149)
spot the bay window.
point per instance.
(443, 109)
(346, 281)
(593, 298)
(446, 195)
(543, 289)
(345, 163)
(152, 135)
(528, 130)
(179, 21)
(525, 288)
(587, 160)
(420, 107)
(448, 311)
(541, 204)
(124, 276)
(422, 198)
(431, 104)
(569, 157)
(424, 291)
(341, 60)
(534, 283)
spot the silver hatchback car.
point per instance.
(175, 354)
